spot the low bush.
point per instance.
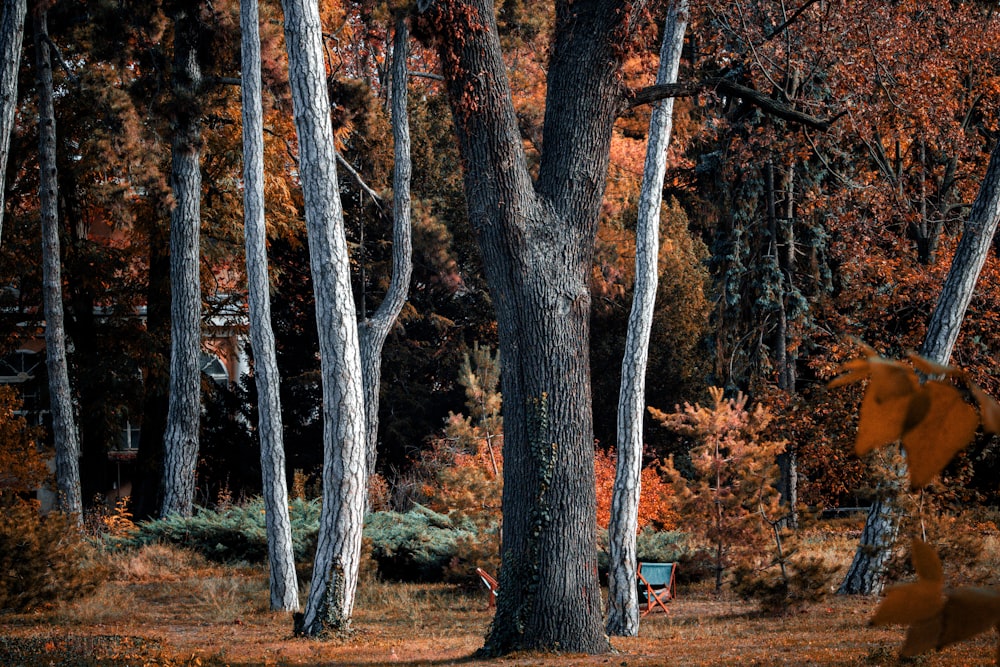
(804, 580)
(231, 535)
(653, 546)
(418, 545)
(43, 558)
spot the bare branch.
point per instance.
(357, 178)
(791, 19)
(662, 91)
(768, 105)
(59, 59)
(427, 75)
(224, 80)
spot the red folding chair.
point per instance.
(491, 584)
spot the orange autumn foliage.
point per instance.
(656, 498)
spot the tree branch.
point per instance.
(791, 19)
(768, 105)
(426, 75)
(357, 178)
(59, 59)
(224, 80)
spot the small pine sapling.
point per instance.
(735, 472)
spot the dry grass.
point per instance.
(169, 608)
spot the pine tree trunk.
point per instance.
(374, 330)
(783, 361)
(867, 573)
(623, 602)
(338, 551)
(281, 557)
(180, 442)
(11, 35)
(64, 432)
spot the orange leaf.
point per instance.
(968, 612)
(920, 601)
(891, 379)
(886, 404)
(926, 562)
(910, 603)
(853, 371)
(947, 426)
(922, 637)
(933, 368)
(989, 409)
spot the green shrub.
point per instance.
(418, 545)
(234, 534)
(43, 558)
(653, 546)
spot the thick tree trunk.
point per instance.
(67, 444)
(11, 34)
(180, 442)
(537, 244)
(375, 329)
(281, 557)
(867, 572)
(623, 602)
(338, 552)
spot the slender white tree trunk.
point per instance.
(11, 35)
(375, 329)
(866, 575)
(338, 551)
(623, 604)
(281, 557)
(180, 442)
(67, 444)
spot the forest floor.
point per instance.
(161, 608)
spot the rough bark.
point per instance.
(11, 35)
(64, 434)
(180, 442)
(783, 256)
(148, 489)
(281, 557)
(623, 602)
(374, 330)
(537, 243)
(338, 552)
(867, 572)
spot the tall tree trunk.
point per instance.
(148, 487)
(867, 572)
(338, 551)
(781, 232)
(180, 442)
(623, 603)
(373, 331)
(64, 433)
(281, 557)
(11, 34)
(537, 242)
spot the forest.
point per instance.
(348, 299)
